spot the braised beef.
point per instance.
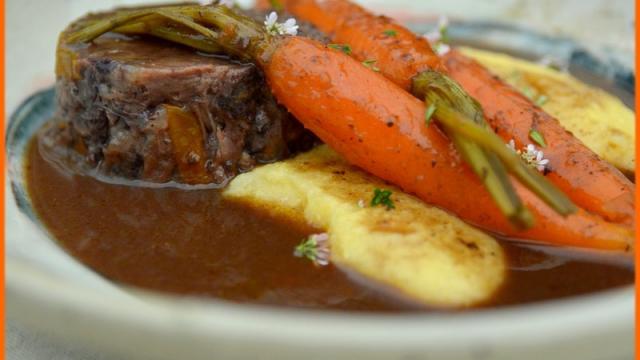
(111, 113)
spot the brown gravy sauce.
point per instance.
(195, 243)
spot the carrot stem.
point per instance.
(158, 27)
(527, 175)
(238, 35)
(493, 176)
(181, 19)
(87, 32)
(437, 88)
(234, 33)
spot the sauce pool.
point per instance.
(193, 242)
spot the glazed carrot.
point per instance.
(400, 57)
(379, 127)
(588, 180)
(418, 159)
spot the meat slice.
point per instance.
(113, 98)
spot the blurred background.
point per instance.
(605, 27)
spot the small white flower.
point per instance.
(442, 49)
(438, 37)
(540, 162)
(271, 20)
(315, 248)
(361, 204)
(437, 34)
(433, 36)
(272, 25)
(322, 249)
(531, 155)
(290, 27)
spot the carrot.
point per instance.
(350, 111)
(379, 127)
(188, 145)
(400, 57)
(589, 181)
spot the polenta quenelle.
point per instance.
(417, 249)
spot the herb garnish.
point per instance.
(314, 248)
(382, 197)
(273, 27)
(517, 80)
(371, 65)
(345, 48)
(428, 115)
(541, 100)
(533, 95)
(531, 155)
(390, 32)
(537, 136)
(439, 38)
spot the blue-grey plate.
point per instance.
(23, 124)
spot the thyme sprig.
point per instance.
(371, 64)
(345, 48)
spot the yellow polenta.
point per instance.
(598, 119)
(424, 252)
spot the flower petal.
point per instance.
(443, 49)
(433, 37)
(293, 31)
(271, 19)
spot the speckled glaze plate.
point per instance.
(48, 289)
